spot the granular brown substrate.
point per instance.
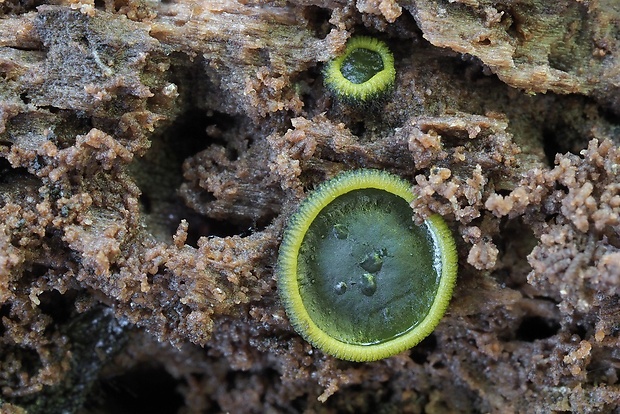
(151, 153)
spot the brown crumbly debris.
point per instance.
(482, 157)
(152, 152)
(389, 9)
(582, 195)
(222, 188)
(483, 255)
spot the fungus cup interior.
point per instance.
(361, 65)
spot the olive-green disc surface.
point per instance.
(366, 274)
(361, 65)
(357, 277)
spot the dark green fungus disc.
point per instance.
(358, 278)
(365, 71)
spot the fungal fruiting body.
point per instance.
(363, 73)
(358, 279)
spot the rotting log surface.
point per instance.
(150, 154)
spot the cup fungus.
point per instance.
(358, 279)
(363, 73)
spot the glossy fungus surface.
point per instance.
(357, 277)
(364, 72)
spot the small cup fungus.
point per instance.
(363, 73)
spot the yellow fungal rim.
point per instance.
(373, 87)
(288, 285)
